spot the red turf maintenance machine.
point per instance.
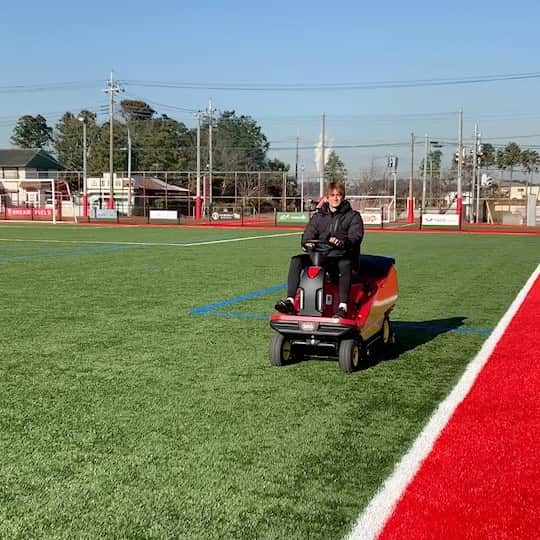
(313, 331)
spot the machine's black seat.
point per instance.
(370, 266)
(375, 266)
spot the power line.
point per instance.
(303, 87)
(266, 87)
(48, 87)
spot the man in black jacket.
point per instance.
(342, 227)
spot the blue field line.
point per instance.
(212, 310)
(237, 315)
(211, 307)
(66, 253)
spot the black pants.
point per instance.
(344, 266)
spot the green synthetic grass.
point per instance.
(123, 416)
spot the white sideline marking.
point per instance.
(153, 244)
(371, 521)
(240, 239)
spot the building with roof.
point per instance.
(27, 163)
(22, 175)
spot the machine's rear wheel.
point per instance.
(280, 350)
(350, 355)
(388, 334)
(388, 337)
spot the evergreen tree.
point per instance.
(32, 132)
(334, 170)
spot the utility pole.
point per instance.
(410, 202)
(323, 160)
(112, 88)
(459, 201)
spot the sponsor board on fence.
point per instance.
(163, 214)
(440, 220)
(371, 218)
(19, 211)
(103, 213)
(292, 218)
(225, 215)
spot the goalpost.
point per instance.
(375, 209)
(37, 199)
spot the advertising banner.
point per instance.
(23, 212)
(440, 220)
(163, 214)
(103, 213)
(292, 218)
(371, 218)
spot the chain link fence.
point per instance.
(260, 194)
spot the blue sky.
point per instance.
(304, 42)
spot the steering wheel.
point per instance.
(318, 246)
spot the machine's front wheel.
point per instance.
(280, 349)
(350, 355)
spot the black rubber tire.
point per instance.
(388, 339)
(350, 355)
(279, 350)
(387, 332)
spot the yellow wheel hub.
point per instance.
(286, 351)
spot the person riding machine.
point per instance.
(339, 301)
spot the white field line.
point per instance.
(371, 521)
(150, 244)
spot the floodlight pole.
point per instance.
(424, 172)
(394, 165)
(478, 182)
(129, 171)
(473, 183)
(198, 192)
(459, 199)
(302, 188)
(85, 186)
(111, 140)
(210, 152)
(321, 177)
(53, 189)
(410, 201)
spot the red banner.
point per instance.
(23, 212)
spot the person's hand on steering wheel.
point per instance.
(336, 241)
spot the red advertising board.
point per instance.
(23, 212)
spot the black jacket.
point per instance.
(345, 224)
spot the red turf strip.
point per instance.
(482, 478)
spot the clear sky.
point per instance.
(267, 44)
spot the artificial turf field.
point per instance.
(137, 400)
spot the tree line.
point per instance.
(158, 143)
(508, 157)
(161, 143)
